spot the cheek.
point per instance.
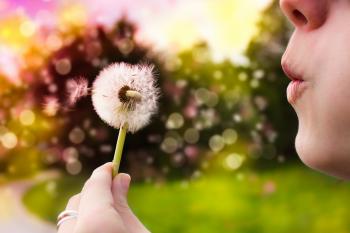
(332, 96)
(324, 122)
(323, 140)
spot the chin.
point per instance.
(323, 156)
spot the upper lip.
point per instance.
(292, 75)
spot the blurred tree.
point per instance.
(16, 136)
(265, 52)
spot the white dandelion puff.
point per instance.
(76, 88)
(125, 97)
(51, 106)
(126, 94)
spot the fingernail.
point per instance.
(125, 181)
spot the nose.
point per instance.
(306, 14)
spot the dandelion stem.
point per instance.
(119, 148)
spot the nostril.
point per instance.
(300, 18)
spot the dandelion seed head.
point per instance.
(112, 103)
(76, 88)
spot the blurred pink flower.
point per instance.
(269, 187)
(191, 152)
(191, 111)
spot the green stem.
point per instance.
(119, 148)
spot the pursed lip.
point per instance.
(296, 87)
(291, 74)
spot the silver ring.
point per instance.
(66, 215)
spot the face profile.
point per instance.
(317, 62)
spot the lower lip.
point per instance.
(295, 90)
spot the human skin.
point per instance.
(319, 53)
(102, 206)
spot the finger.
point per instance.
(96, 193)
(120, 188)
(68, 225)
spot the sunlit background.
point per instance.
(219, 155)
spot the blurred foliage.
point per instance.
(265, 52)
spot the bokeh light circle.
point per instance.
(27, 117)
(233, 161)
(216, 143)
(9, 140)
(191, 135)
(169, 145)
(73, 167)
(230, 136)
(175, 121)
(77, 135)
(63, 66)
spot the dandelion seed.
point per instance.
(51, 106)
(76, 88)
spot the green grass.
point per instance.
(304, 201)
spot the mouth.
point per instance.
(297, 85)
(291, 74)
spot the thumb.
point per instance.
(120, 188)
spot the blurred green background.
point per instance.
(218, 157)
